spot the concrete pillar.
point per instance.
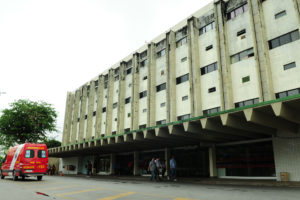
(91, 96)
(121, 98)
(194, 63)
(151, 86)
(82, 114)
(109, 106)
(212, 162)
(99, 106)
(167, 160)
(223, 57)
(171, 76)
(261, 51)
(112, 163)
(135, 93)
(75, 116)
(136, 168)
(68, 119)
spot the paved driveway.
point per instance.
(83, 188)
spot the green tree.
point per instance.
(26, 121)
(52, 143)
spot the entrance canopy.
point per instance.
(254, 122)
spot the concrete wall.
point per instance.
(287, 154)
(63, 162)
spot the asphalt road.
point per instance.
(83, 188)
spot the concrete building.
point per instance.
(219, 91)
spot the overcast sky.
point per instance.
(50, 47)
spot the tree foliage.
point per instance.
(26, 121)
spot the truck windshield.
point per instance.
(29, 154)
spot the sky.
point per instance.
(50, 47)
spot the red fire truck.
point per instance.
(25, 160)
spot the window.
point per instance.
(185, 98)
(85, 116)
(96, 84)
(236, 12)
(211, 111)
(162, 72)
(163, 104)
(105, 84)
(117, 70)
(241, 32)
(181, 42)
(127, 100)
(144, 110)
(213, 89)
(145, 78)
(128, 71)
(142, 126)
(115, 105)
(78, 119)
(104, 109)
(183, 117)
(114, 132)
(94, 113)
(143, 94)
(280, 14)
(246, 103)
(287, 93)
(289, 66)
(116, 119)
(245, 79)
(41, 154)
(143, 63)
(127, 130)
(284, 39)
(161, 87)
(161, 53)
(128, 114)
(206, 28)
(242, 55)
(209, 47)
(161, 122)
(183, 59)
(182, 79)
(209, 68)
(29, 154)
(129, 85)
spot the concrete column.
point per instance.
(99, 106)
(171, 75)
(68, 119)
(121, 99)
(223, 57)
(112, 163)
(261, 51)
(75, 116)
(194, 63)
(151, 88)
(89, 119)
(212, 162)
(167, 160)
(297, 8)
(109, 107)
(135, 92)
(136, 168)
(82, 114)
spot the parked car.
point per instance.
(25, 160)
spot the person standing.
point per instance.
(89, 168)
(173, 168)
(158, 168)
(163, 168)
(151, 168)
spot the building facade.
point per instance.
(221, 87)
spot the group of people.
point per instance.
(51, 170)
(157, 168)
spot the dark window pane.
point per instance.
(289, 66)
(292, 92)
(256, 101)
(243, 55)
(232, 15)
(202, 71)
(285, 39)
(295, 35)
(235, 58)
(29, 154)
(42, 154)
(245, 7)
(239, 11)
(282, 94)
(274, 43)
(278, 15)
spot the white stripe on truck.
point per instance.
(16, 155)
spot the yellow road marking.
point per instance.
(77, 192)
(57, 188)
(118, 196)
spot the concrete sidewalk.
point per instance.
(202, 181)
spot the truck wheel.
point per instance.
(23, 178)
(2, 176)
(14, 176)
(39, 178)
